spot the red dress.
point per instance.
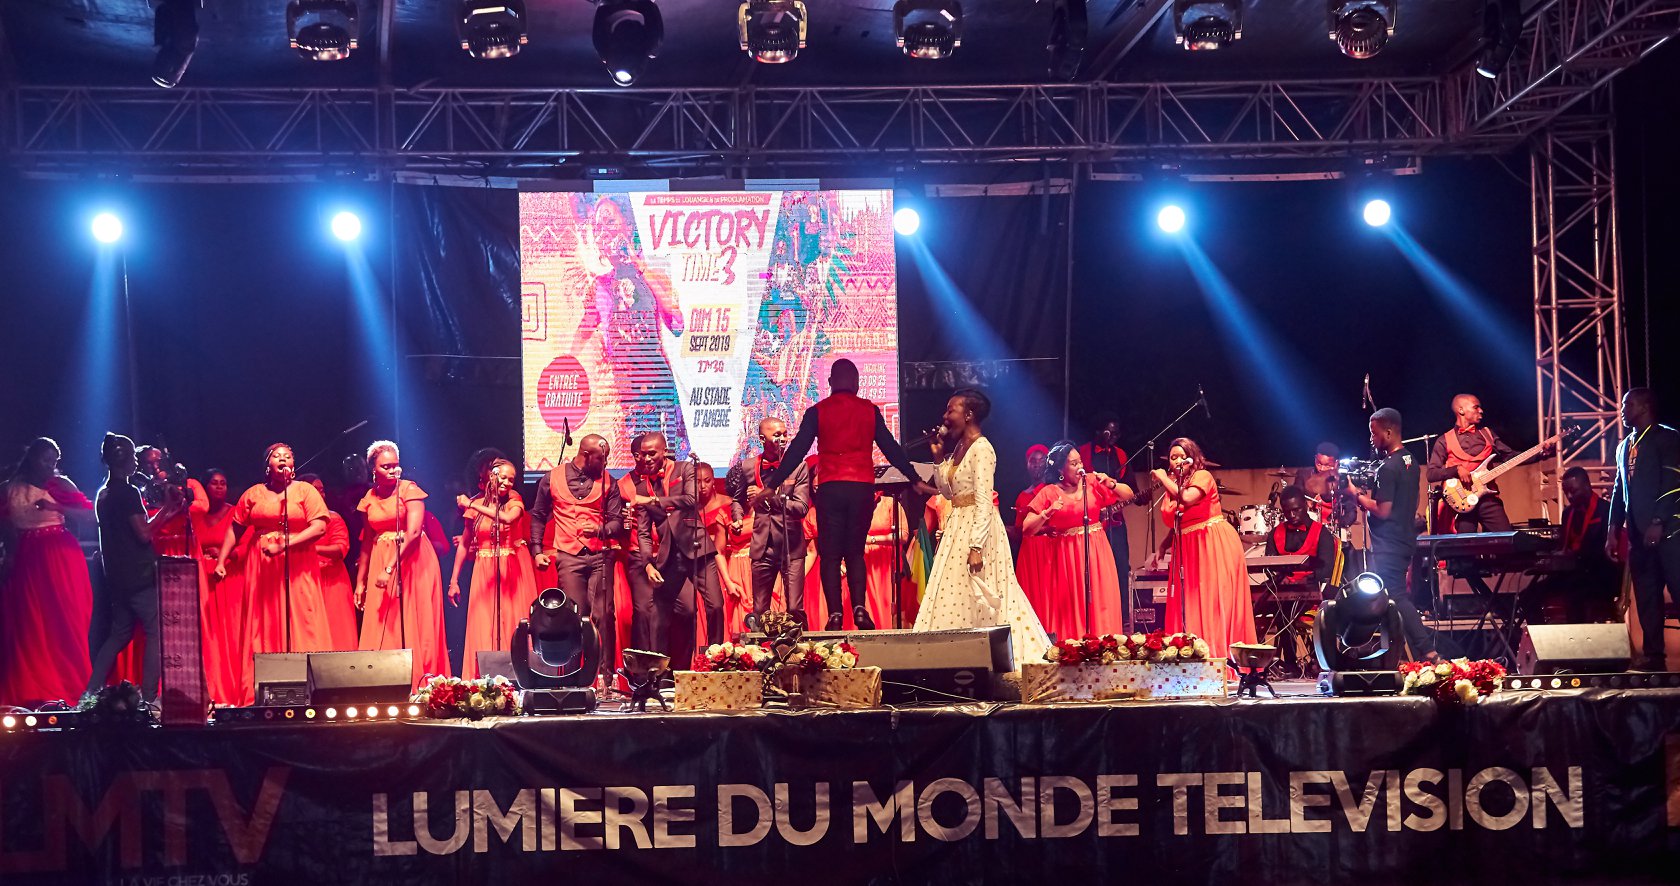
(503, 583)
(739, 554)
(266, 577)
(222, 617)
(1051, 567)
(878, 560)
(1218, 606)
(413, 621)
(336, 588)
(46, 600)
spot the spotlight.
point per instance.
(414, 710)
(1377, 213)
(1501, 29)
(9, 721)
(1170, 218)
(772, 31)
(906, 221)
(555, 655)
(350, 713)
(30, 721)
(1361, 28)
(346, 226)
(175, 34)
(1368, 582)
(308, 713)
(332, 713)
(391, 711)
(1069, 29)
(323, 30)
(1359, 629)
(1207, 24)
(107, 228)
(492, 28)
(930, 29)
(627, 34)
(372, 712)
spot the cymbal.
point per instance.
(1281, 474)
(1226, 490)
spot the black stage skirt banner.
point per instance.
(1301, 791)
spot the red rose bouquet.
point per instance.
(444, 697)
(1113, 648)
(1456, 682)
(732, 657)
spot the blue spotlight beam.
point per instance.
(1286, 383)
(1470, 309)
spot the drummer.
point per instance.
(1320, 485)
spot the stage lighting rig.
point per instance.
(1361, 28)
(323, 30)
(175, 34)
(492, 28)
(1207, 24)
(1501, 29)
(627, 33)
(772, 31)
(556, 654)
(930, 29)
(1359, 630)
(1069, 30)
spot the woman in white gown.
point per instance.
(973, 579)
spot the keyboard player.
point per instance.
(1581, 584)
(1298, 535)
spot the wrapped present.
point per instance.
(843, 688)
(1045, 681)
(1186, 679)
(719, 690)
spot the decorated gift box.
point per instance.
(719, 690)
(849, 688)
(1112, 666)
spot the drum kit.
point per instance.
(1255, 523)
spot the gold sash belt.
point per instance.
(966, 500)
(1198, 527)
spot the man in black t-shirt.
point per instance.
(125, 550)
(1392, 505)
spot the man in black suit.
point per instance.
(1643, 511)
(671, 548)
(778, 530)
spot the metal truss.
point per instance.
(532, 131)
(1579, 352)
(1567, 51)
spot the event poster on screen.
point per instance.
(697, 314)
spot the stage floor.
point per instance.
(1539, 786)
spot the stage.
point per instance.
(1531, 785)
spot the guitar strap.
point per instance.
(1455, 451)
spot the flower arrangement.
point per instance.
(1158, 647)
(445, 697)
(1456, 682)
(809, 657)
(732, 657)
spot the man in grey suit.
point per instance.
(1643, 505)
(778, 533)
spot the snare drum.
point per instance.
(1256, 520)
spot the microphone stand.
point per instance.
(402, 532)
(323, 450)
(1085, 517)
(1434, 500)
(496, 555)
(286, 561)
(1178, 567)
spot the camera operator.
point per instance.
(125, 536)
(1392, 503)
(162, 480)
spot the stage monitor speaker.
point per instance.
(1358, 683)
(282, 678)
(496, 663)
(1574, 649)
(931, 666)
(380, 676)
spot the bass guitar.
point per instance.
(1463, 497)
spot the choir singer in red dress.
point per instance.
(1067, 514)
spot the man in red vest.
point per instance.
(583, 502)
(846, 429)
(1460, 451)
(1300, 534)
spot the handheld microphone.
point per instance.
(1203, 396)
(927, 437)
(565, 434)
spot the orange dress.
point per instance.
(222, 615)
(406, 614)
(739, 554)
(267, 590)
(336, 587)
(1217, 604)
(503, 585)
(1051, 567)
(46, 599)
(878, 559)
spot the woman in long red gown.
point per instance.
(401, 608)
(878, 552)
(1211, 579)
(46, 599)
(284, 610)
(503, 583)
(336, 588)
(1063, 521)
(222, 615)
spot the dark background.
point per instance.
(250, 328)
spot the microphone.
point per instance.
(565, 434)
(354, 428)
(1366, 401)
(924, 438)
(1203, 396)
